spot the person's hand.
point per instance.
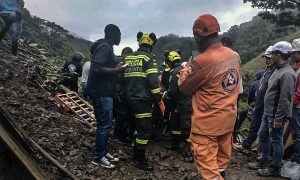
(120, 67)
(189, 62)
(277, 124)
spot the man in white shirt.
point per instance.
(84, 78)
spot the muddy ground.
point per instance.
(70, 142)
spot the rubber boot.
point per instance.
(14, 48)
(175, 144)
(141, 162)
(187, 154)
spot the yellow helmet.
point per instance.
(147, 38)
(173, 56)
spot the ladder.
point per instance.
(83, 110)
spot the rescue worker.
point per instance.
(11, 12)
(180, 103)
(142, 91)
(213, 80)
(123, 129)
(165, 76)
(73, 70)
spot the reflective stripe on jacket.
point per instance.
(141, 76)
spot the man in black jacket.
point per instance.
(73, 70)
(101, 89)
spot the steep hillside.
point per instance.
(253, 37)
(172, 42)
(257, 63)
(52, 38)
(249, 39)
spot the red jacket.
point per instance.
(296, 99)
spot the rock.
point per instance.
(163, 163)
(74, 152)
(194, 174)
(182, 169)
(184, 177)
(87, 143)
(123, 170)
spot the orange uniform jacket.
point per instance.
(213, 79)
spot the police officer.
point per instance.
(123, 129)
(73, 70)
(142, 91)
(181, 105)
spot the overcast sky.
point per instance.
(87, 18)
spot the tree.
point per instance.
(282, 12)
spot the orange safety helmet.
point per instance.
(205, 25)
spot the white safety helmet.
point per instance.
(268, 52)
(283, 46)
(296, 44)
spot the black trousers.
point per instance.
(142, 113)
(180, 125)
(124, 121)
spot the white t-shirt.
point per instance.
(85, 71)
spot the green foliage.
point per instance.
(252, 38)
(50, 37)
(285, 12)
(249, 69)
(172, 42)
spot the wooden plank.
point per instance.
(25, 158)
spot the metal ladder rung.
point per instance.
(73, 97)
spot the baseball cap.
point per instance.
(296, 44)
(283, 46)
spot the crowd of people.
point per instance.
(193, 97)
(275, 103)
(198, 97)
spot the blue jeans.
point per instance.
(268, 135)
(254, 128)
(103, 109)
(295, 130)
(15, 22)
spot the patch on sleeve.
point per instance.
(72, 68)
(230, 80)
